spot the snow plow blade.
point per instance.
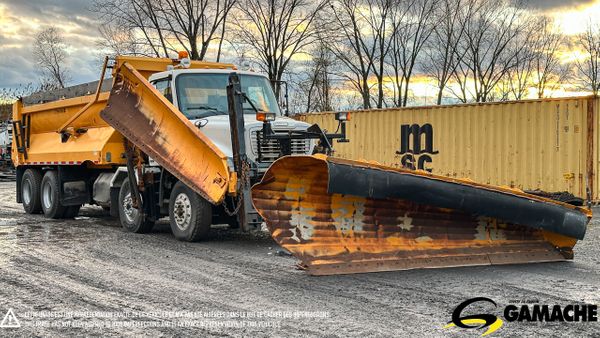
(152, 123)
(340, 216)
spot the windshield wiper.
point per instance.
(201, 107)
(205, 111)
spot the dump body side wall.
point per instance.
(549, 144)
(97, 143)
(49, 117)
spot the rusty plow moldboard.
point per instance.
(340, 217)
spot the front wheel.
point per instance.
(130, 217)
(190, 215)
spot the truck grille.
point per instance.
(270, 149)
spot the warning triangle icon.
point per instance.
(10, 320)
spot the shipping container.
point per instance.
(547, 144)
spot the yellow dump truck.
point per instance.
(205, 143)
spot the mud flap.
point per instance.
(341, 216)
(152, 123)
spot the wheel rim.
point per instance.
(129, 211)
(182, 211)
(26, 192)
(47, 195)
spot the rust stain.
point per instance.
(590, 150)
(153, 124)
(338, 234)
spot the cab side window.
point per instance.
(164, 87)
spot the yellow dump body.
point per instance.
(92, 141)
(100, 144)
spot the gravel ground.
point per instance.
(86, 270)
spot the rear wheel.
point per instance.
(190, 215)
(31, 184)
(50, 196)
(130, 217)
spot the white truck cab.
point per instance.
(201, 95)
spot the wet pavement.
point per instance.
(88, 277)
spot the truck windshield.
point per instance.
(202, 95)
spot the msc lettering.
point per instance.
(416, 146)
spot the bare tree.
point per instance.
(167, 25)
(355, 43)
(380, 20)
(443, 51)
(276, 31)
(548, 70)
(348, 47)
(537, 64)
(486, 47)
(139, 17)
(588, 69)
(460, 77)
(50, 54)
(121, 41)
(519, 78)
(196, 23)
(502, 91)
(411, 30)
(318, 86)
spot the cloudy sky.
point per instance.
(20, 20)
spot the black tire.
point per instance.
(130, 218)
(49, 196)
(72, 211)
(31, 185)
(189, 214)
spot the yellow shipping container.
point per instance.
(549, 144)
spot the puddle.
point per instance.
(22, 234)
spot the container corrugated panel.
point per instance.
(531, 144)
